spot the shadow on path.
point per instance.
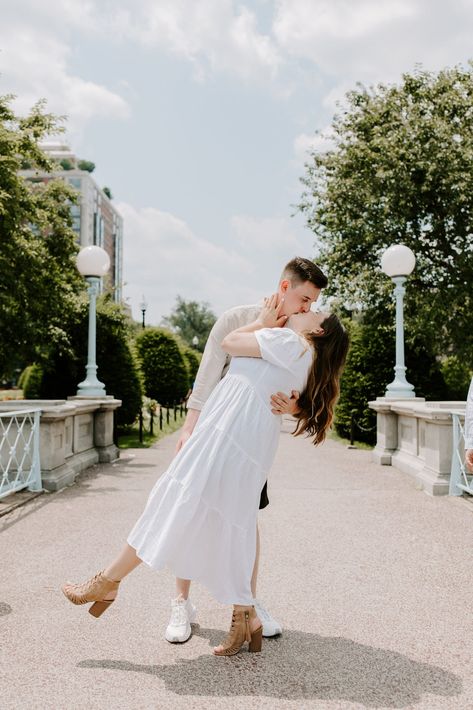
(301, 666)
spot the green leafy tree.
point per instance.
(39, 282)
(162, 365)
(401, 171)
(191, 319)
(370, 368)
(117, 366)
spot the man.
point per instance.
(469, 429)
(299, 286)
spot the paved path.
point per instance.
(371, 579)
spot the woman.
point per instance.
(200, 518)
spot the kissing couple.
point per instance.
(201, 517)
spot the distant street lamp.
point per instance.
(143, 307)
(398, 261)
(195, 341)
(93, 262)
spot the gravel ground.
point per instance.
(371, 579)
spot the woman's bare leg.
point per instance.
(125, 563)
(182, 587)
(254, 578)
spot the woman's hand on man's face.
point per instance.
(270, 316)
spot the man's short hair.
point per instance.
(299, 270)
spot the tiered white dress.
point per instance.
(200, 518)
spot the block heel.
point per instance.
(256, 641)
(98, 608)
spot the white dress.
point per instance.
(201, 515)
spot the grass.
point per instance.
(128, 438)
(358, 444)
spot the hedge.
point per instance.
(162, 365)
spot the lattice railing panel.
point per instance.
(461, 480)
(19, 451)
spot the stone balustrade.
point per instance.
(416, 437)
(74, 434)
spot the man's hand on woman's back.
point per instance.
(283, 404)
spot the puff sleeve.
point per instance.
(280, 346)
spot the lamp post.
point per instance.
(398, 261)
(93, 262)
(143, 307)
(195, 341)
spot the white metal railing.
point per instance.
(461, 481)
(19, 451)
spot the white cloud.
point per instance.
(217, 36)
(305, 143)
(302, 26)
(370, 40)
(35, 64)
(163, 258)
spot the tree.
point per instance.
(39, 281)
(191, 319)
(162, 365)
(370, 367)
(108, 192)
(401, 170)
(117, 367)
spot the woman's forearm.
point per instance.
(241, 341)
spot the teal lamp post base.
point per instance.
(399, 389)
(89, 388)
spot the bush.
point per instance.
(116, 363)
(192, 360)
(162, 365)
(23, 377)
(31, 379)
(87, 165)
(370, 368)
(457, 375)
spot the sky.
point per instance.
(199, 114)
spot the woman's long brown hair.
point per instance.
(317, 401)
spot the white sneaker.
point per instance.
(270, 625)
(183, 613)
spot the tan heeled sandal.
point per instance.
(240, 633)
(93, 590)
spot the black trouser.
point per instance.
(264, 500)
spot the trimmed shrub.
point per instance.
(23, 376)
(192, 360)
(162, 365)
(117, 367)
(370, 368)
(31, 379)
